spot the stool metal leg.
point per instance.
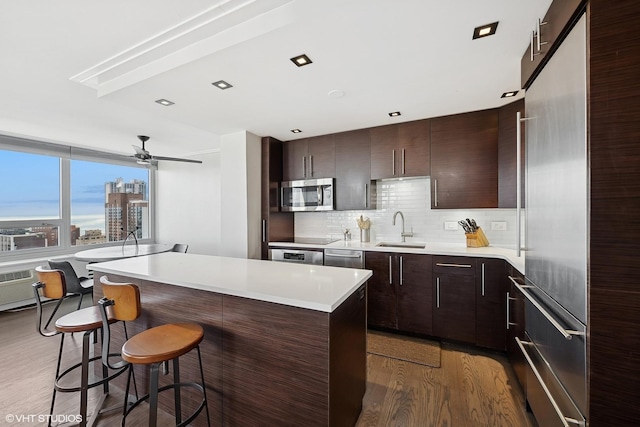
(84, 386)
(176, 390)
(204, 388)
(153, 395)
(53, 398)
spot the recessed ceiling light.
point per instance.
(301, 60)
(509, 94)
(485, 30)
(394, 114)
(165, 102)
(296, 131)
(221, 84)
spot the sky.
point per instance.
(31, 186)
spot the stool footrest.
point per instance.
(168, 387)
(96, 383)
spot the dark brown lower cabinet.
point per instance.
(454, 293)
(399, 292)
(516, 326)
(491, 288)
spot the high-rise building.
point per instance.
(91, 237)
(126, 209)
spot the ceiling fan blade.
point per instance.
(140, 151)
(175, 159)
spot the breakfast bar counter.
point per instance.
(285, 344)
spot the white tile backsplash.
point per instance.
(412, 197)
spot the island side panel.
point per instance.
(276, 364)
(161, 304)
(348, 359)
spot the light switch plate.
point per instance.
(451, 225)
(499, 225)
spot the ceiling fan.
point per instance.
(144, 158)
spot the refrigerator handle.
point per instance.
(567, 333)
(519, 121)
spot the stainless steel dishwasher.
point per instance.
(344, 258)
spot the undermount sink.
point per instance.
(401, 245)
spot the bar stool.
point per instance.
(87, 320)
(155, 347)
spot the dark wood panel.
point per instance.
(558, 20)
(160, 305)
(614, 131)
(415, 139)
(384, 141)
(276, 225)
(294, 159)
(454, 297)
(322, 157)
(275, 363)
(348, 359)
(381, 294)
(353, 171)
(507, 162)
(464, 160)
(414, 294)
(491, 303)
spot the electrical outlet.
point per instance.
(451, 225)
(499, 225)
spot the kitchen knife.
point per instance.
(474, 225)
(470, 225)
(465, 226)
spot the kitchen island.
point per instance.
(284, 344)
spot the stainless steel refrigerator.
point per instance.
(556, 235)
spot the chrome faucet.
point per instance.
(402, 233)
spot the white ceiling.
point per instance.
(413, 56)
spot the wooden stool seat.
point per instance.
(83, 320)
(162, 343)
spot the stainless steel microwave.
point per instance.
(307, 195)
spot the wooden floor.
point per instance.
(471, 388)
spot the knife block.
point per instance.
(477, 239)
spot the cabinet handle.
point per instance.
(366, 195)
(531, 46)
(264, 231)
(390, 272)
(401, 278)
(539, 38)
(509, 322)
(443, 264)
(311, 165)
(403, 171)
(483, 279)
(393, 162)
(437, 292)
(435, 192)
(304, 166)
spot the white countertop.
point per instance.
(454, 249)
(313, 287)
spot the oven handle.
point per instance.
(564, 419)
(567, 333)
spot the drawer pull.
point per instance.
(443, 264)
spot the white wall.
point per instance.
(240, 195)
(188, 204)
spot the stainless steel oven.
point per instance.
(307, 195)
(298, 256)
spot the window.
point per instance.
(107, 202)
(56, 197)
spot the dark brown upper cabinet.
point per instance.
(546, 35)
(464, 160)
(353, 171)
(309, 158)
(507, 148)
(400, 150)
